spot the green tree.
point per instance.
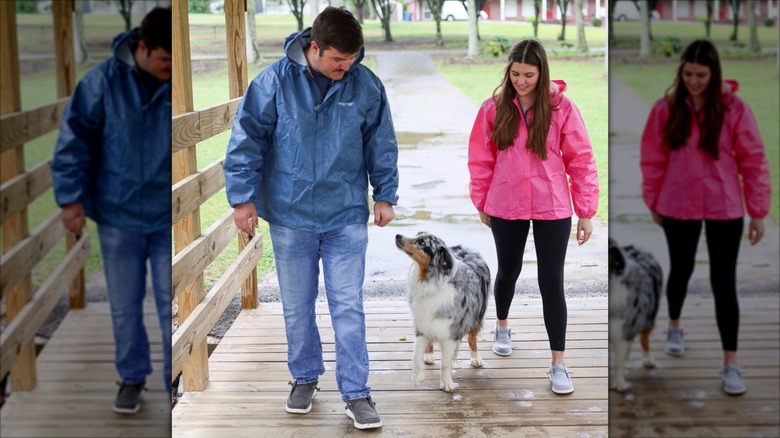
(297, 7)
(435, 6)
(126, 11)
(734, 4)
(563, 6)
(384, 11)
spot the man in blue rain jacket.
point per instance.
(112, 163)
(311, 132)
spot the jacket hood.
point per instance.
(296, 43)
(123, 46)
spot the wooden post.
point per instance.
(196, 371)
(23, 370)
(62, 12)
(235, 27)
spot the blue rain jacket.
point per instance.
(305, 160)
(113, 154)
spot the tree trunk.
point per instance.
(563, 5)
(473, 50)
(252, 51)
(537, 11)
(610, 20)
(79, 46)
(708, 23)
(644, 42)
(125, 10)
(359, 6)
(582, 44)
(735, 17)
(387, 14)
(753, 44)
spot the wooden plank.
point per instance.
(191, 192)
(15, 228)
(235, 29)
(23, 126)
(18, 192)
(17, 264)
(196, 126)
(194, 330)
(199, 254)
(62, 13)
(249, 299)
(60, 405)
(22, 329)
(196, 372)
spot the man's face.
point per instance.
(156, 62)
(330, 62)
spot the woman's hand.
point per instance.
(756, 231)
(657, 219)
(484, 218)
(584, 230)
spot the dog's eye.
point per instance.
(423, 243)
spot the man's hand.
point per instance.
(73, 218)
(584, 230)
(245, 217)
(383, 213)
(756, 231)
(657, 219)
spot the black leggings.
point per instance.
(550, 238)
(723, 237)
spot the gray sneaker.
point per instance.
(733, 383)
(301, 395)
(128, 399)
(561, 382)
(502, 341)
(675, 346)
(363, 412)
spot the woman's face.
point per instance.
(524, 78)
(696, 77)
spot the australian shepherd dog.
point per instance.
(635, 280)
(448, 293)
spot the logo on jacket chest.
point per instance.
(343, 104)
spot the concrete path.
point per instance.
(758, 268)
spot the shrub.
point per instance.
(497, 46)
(769, 22)
(670, 46)
(530, 19)
(702, 19)
(596, 22)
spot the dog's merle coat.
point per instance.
(635, 280)
(448, 296)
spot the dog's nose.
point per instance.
(398, 237)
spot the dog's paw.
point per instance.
(447, 386)
(476, 362)
(649, 362)
(428, 358)
(620, 385)
(417, 378)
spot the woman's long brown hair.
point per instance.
(678, 128)
(507, 123)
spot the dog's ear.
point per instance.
(444, 260)
(617, 261)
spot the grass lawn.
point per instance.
(586, 87)
(758, 87)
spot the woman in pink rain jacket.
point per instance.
(529, 157)
(699, 140)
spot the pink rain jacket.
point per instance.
(516, 184)
(689, 184)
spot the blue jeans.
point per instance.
(125, 255)
(343, 254)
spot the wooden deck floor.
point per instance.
(76, 388)
(683, 397)
(508, 397)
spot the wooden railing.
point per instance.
(195, 251)
(27, 309)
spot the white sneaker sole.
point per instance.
(298, 410)
(502, 354)
(127, 411)
(362, 426)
